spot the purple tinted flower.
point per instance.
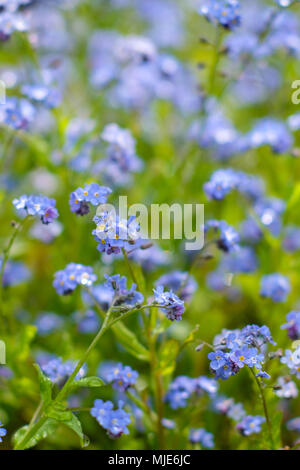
(293, 325)
(173, 307)
(40, 206)
(90, 194)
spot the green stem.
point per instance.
(266, 413)
(158, 387)
(215, 62)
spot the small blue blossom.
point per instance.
(223, 12)
(173, 307)
(180, 390)
(3, 432)
(285, 388)
(269, 212)
(88, 322)
(122, 377)
(123, 296)
(113, 233)
(206, 439)
(15, 273)
(291, 241)
(293, 325)
(47, 323)
(40, 206)
(59, 371)
(182, 283)
(269, 131)
(90, 194)
(228, 236)
(250, 425)
(115, 421)
(73, 275)
(275, 286)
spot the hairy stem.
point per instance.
(265, 408)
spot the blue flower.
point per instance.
(173, 307)
(269, 131)
(180, 390)
(90, 194)
(47, 323)
(285, 388)
(18, 113)
(250, 425)
(115, 421)
(291, 241)
(223, 12)
(222, 182)
(275, 286)
(293, 325)
(121, 158)
(228, 236)
(122, 377)
(113, 233)
(180, 282)
(40, 206)
(15, 272)
(3, 432)
(269, 212)
(73, 275)
(59, 371)
(206, 439)
(123, 296)
(88, 322)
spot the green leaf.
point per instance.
(88, 382)
(75, 425)
(58, 411)
(139, 276)
(130, 342)
(48, 428)
(45, 386)
(276, 421)
(167, 357)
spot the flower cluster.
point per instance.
(223, 12)
(122, 295)
(172, 306)
(121, 159)
(59, 371)
(91, 194)
(40, 206)
(183, 387)
(115, 421)
(113, 233)
(222, 182)
(122, 377)
(239, 348)
(68, 279)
